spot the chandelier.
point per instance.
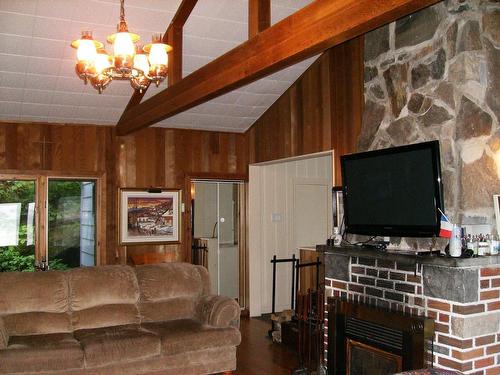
(140, 65)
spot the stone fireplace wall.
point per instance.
(435, 75)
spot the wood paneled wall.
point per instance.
(321, 111)
(167, 158)
(152, 157)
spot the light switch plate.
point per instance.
(275, 217)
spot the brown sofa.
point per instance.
(154, 319)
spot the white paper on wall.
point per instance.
(30, 225)
(10, 217)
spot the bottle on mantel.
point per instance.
(494, 245)
(483, 244)
(337, 237)
(469, 246)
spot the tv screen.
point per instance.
(393, 192)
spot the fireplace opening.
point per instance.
(365, 340)
(369, 360)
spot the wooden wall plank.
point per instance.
(320, 111)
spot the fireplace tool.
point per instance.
(302, 317)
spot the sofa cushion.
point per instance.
(34, 302)
(104, 285)
(38, 353)
(186, 335)
(159, 282)
(22, 292)
(103, 296)
(103, 346)
(105, 316)
(36, 323)
(4, 336)
(172, 309)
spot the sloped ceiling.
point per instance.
(38, 83)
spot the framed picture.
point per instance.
(496, 205)
(338, 207)
(149, 216)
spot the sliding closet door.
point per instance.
(216, 224)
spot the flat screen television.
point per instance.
(393, 192)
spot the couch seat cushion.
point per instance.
(186, 335)
(108, 345)
(52, 352)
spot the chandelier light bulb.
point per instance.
(141, 62)
(102, 62)
(86, 51)
(123, 45)
(158, 54)
(158, 59)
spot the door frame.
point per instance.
(255, 210)
(243, 227)
(41, 179)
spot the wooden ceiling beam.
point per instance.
(309, 31)
(173, 37)
(259, 16)
(183, 13)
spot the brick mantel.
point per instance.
(464, 301)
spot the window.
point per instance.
(17, 225)
(71, 223)
(48, 221)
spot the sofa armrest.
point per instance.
(219, 311)
(4, 336)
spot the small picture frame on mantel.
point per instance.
(496, 205)
(149, 216)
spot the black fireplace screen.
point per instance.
(365, 340)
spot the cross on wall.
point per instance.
(44, 143)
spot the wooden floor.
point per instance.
(258, 355)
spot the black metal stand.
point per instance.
(274, 262)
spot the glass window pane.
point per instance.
(17, 225)
(72, 223)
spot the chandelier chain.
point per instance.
(122, 10)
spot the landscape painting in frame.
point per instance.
(149, 217)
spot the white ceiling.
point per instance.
(38, 82)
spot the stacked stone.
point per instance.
(464, 302)
(436, 75)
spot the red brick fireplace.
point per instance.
(461, 295)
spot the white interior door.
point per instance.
(311, 219)
(289, 207)
(216, 221)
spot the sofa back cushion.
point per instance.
(170, 291)
(34, 303)
(103, 296)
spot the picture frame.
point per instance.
(149, 216)
(338, 207)
(496, 206)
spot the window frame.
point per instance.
(41, 179)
